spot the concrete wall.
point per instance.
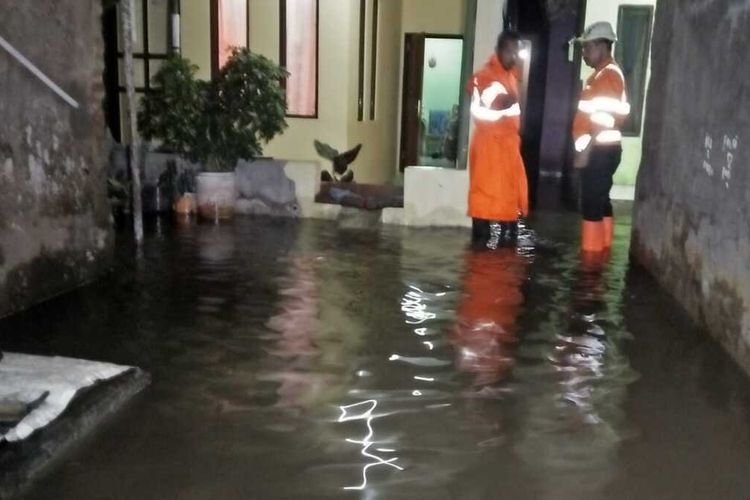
(606, 10)
(335, 33)
(488, 25)
(338, 55)
(195, 24)
(379, 142)
(444, 17)
(54, 217)
(693, 191)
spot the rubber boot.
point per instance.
(510, 230)
(609, 231)
(495, 235)
(592, 236)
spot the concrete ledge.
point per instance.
(394, 216)
(623, 193)
(435, 197)
(306, 179)
(22, 461)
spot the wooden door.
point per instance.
(412, 100)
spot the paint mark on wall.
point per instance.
(729, 147)
(725, 158)
(708, 144)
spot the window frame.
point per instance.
(214, 20)
(374, 59)
(637, 109)
(283, 61)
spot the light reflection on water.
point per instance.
(306, 361)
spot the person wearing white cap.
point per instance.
(602, 109)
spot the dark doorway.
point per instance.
(552, 87)
(111, 83)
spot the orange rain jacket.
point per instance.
(498, 187)
(602, 108)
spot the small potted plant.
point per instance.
(185, 203)
(216, 123)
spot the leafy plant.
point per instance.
(220, 122)
(173, 111)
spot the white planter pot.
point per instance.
(217, 192)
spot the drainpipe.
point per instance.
(37, 73)
(175, 41)
(127, 11)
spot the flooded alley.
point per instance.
(303, 360)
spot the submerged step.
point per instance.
(48, 403)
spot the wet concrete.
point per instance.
(301, 360)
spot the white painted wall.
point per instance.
(445, 17)
(488, 27)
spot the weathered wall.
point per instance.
(54, 218)
(691, 226)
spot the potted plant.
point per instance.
(216, 123)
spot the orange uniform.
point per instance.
(498, 187)
(602, 108)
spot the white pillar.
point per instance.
(488, 26)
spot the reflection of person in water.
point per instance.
(486, 327)
(574, 426)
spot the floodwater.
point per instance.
(302, 360)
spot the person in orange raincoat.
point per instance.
(498, 190)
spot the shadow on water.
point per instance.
(300, 360)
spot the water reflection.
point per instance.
(486, 324)
(298, 326)
(364, 411)
(297, 360)
(575, 420)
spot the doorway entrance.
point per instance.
(431, 97)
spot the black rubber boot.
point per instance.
(480, 231)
